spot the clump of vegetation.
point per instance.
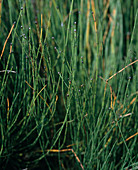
(68, 84)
